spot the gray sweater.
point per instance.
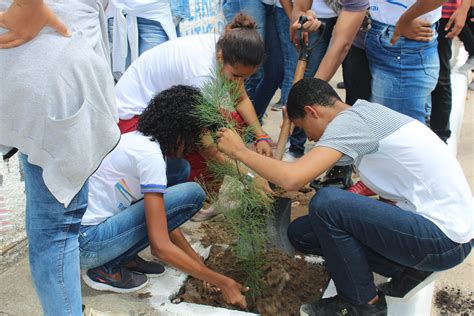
(56, 99)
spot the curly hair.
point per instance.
(168, 119)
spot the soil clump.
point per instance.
(451, 301)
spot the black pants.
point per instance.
(356, 74)
(441, 97)
(467, 34)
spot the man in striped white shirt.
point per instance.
(428, 225)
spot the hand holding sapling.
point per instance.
(230, 143)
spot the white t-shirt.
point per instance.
(323, 11)
(402, 160)
(320, 7)
(389, 11)
(188, 60)
(136, 166)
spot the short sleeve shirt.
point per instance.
(402, 160)
(135, 167)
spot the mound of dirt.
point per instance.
(289, 283)
(451, 301)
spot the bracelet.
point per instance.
(262, 139)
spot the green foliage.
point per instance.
(246, 206)
(218, 99)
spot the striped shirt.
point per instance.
(402, 160)
(449, 7)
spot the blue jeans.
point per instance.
(120, 238)
(150, 34)
(298, 137)
(272, 66)
(180, 11)
(358, 235)
(256, 10)
(290, 54)
(53, 248)
(403, 75)
(177, 171)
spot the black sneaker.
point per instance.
(150, 268)
(408, 283)
(130, 281)
(337, 306)
(338, 177)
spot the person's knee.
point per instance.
(302, 237)
(296, 231)
(323, 201)
(183, 170)
(195, 193)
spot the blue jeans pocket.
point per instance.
(430, 61)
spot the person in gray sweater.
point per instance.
(57, 107)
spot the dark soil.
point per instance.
(451, 301)
(290, 283)
(217, 232)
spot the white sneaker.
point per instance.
(205, 214)
(469, 65)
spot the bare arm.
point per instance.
(210, 152)
(24, 19)
(287, 6)
(458, 19)
(289, 176)
(247, 111)
(345, 30)
(162, 247)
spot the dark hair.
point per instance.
(241, 43)
(309, 91)
(168, 119)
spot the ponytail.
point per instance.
(241, 43)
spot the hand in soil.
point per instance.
(213, 289)
(232, 293)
